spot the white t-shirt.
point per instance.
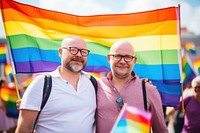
(67, 110)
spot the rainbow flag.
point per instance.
(196, 63)
(2, 53)
(188, 71)
(35, 34)
(132, 120)
(9, 96)
(190, 46)
(9, 72)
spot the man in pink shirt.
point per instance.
(122, 85)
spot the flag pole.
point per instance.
(16, 86)
(118, 118)
(182, 102)
(14, 72)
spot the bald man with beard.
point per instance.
(72, 102)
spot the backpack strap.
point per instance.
(46, 92)
(94, 82)
(144, 94)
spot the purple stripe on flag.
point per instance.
(35, 66)
(169, 99)
(42, 66)
(96, 69)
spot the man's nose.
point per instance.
(79, 53)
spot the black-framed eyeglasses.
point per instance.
(75, 50)
(118, 57)
(120, 102)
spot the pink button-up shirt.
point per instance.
(132, 94)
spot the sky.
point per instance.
(190, 9)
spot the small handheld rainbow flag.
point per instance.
(9, 96)
(9, 72)
(196, 63)
(2, 54)
(132, 120)
(188, 72)
(190, 46)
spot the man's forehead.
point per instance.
(124, 50)
(75, 42)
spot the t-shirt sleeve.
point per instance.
(32, 97)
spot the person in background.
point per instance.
(122, 85)
(192, 108)
(177, 119)
(72, 103)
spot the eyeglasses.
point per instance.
(120, 102)
(74, 51)
(118, 57)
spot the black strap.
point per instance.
(144, 94)
(94, 82)
(46, 92)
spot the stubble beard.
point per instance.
(121, 75)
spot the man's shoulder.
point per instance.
(39, 78)
(150, 88)
(102, 80)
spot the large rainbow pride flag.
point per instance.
(34, 36)
(132, 120)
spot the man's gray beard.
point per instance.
(74, 68)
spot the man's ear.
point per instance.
(135, 59)
(60, 50)
(108, 58)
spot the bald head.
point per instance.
(122, 47)
(74, 41)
